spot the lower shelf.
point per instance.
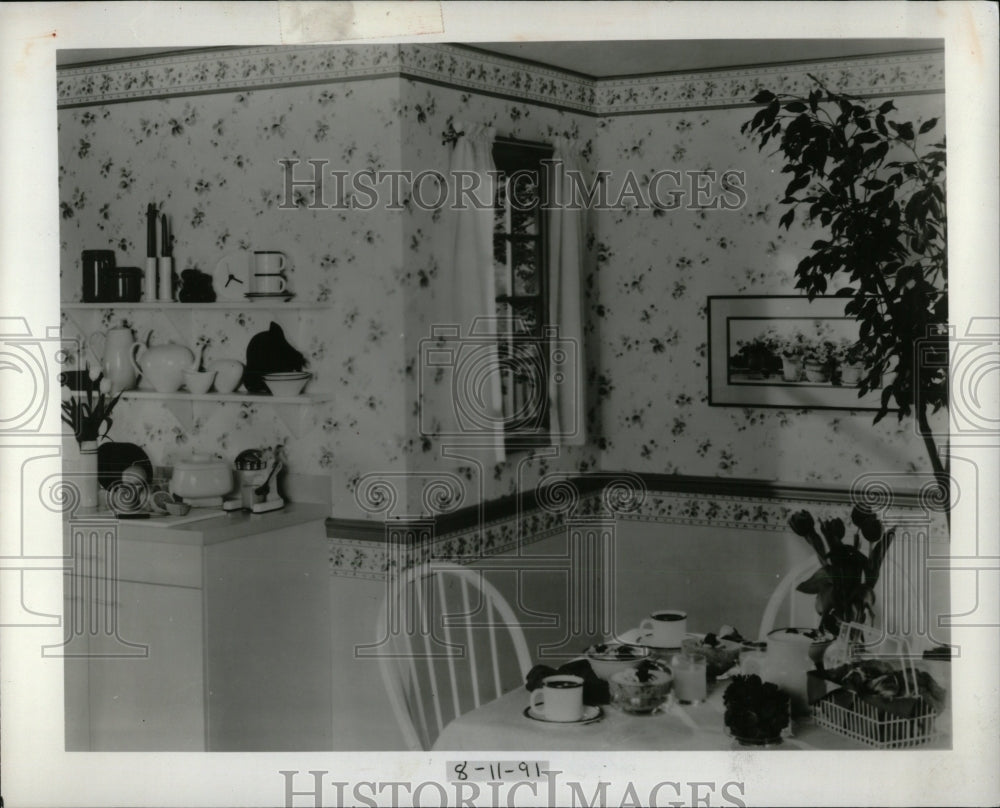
(290, 409)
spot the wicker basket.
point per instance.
(866, 723)
(845, 712)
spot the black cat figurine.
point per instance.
(269, 352)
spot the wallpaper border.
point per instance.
(371, 549)
(246, 69)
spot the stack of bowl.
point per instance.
(287, 384)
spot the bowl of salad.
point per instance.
(608, 658)
(641, 689)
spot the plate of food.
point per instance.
(608, 658)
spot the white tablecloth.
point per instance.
(502, 725)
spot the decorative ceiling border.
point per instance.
(236, 69)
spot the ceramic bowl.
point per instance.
(286, 384)
(634, 696)
(608, 658)
(177, 508)
(199, 382)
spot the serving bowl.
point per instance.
(198, 382)
(608, 658)
(286, 384)
(641, 689)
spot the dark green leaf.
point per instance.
(886, 107)
(763, 97)
(787, 219)
(926, 126)
(795, 106)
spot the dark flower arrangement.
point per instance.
(756, 710)
(86, 418)
(844, 585)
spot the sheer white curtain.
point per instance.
(566, 253)
(471, 168)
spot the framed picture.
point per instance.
(784, 351)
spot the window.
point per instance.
(520, 271)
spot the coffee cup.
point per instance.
(664, 628)
(267, 276)
(561, 698)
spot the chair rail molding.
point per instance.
(375, 548)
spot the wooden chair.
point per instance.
(453, 643)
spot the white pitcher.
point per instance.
(113, 352)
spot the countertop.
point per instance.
(213, 530)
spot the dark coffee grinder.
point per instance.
(98, 275)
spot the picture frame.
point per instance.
(749, 335)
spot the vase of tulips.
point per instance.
(844, 585)
(89, 417)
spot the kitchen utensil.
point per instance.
(607, 659)
(165, 264)
(151, 287)
(640, 694)
(690, 678)
(269, 352)
(666, 628)
(263, 489)
(791, 654)
(562, 698)
(201, 480)
(112, 350)
(198, 382)
(162, 365)
(97, 264)
(126, 285)
(286, 384)
(267, 275)
(228, 374)
(229, 279)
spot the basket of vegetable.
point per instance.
(885, 703)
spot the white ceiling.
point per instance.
(607, 59)
(603, 59)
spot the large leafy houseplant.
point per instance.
(879, 192)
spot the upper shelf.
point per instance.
(217, 306)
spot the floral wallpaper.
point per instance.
(210, 161)
(655, 270)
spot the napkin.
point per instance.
(595, 689)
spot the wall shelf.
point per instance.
(223, 305)
(291, 410)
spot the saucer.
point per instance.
(269, 295)
(638, 636)
(591, 713)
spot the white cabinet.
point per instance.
(134, 664)
(210, 636)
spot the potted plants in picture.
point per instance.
(792, 348)
(851, 363)
(817, 362)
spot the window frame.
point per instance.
(512, 157)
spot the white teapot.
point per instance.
(163, 366)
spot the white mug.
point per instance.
(266, 277)
(664, 628)
(563, 698)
